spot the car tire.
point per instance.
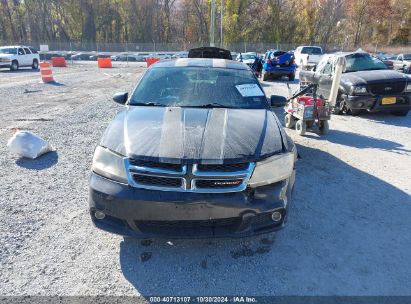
(406, 70)
(291, 77)
(337, 110)
(324, 127)
(14, 65)
(355, 112)
(400, 113)
(35, 64)
(289, 121)
(301, 127)
(265, 75)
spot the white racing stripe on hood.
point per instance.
(219, 63)
(181, 62)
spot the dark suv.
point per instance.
(196, 152)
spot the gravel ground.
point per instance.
(348, 232)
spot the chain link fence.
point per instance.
(154, 47)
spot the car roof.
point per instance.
(15, 46)
(346, 53)
(202, 62)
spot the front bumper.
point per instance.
(145, 213)
(374, 103)
(5, 64)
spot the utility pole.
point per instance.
(212, 23)
(221, 24)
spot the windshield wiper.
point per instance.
(213, 105)
(151, 104)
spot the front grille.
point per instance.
(204, 178)
(190, 228)
(387, 88)
(224, 167)
(217, 184)
(158, 181)
(157, 165)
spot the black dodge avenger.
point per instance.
(196, 152)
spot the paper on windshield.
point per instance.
(249, 90)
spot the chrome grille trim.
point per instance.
(189, 176)
(156, 170)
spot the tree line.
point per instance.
(350, 22)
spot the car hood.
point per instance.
(188, 135)
(8, 56)
(370, 77)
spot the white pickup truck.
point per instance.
(13, 57)
(306, 55)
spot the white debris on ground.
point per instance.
(27, 144)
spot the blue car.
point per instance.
(278, 63)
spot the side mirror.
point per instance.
(120, 98)
(277, 101)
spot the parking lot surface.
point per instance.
(348, 231)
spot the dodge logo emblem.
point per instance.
(388, 88)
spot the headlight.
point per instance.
(408, 88)
(273, 169)
(359, 90)
(109, 164)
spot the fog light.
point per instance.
(99, 215)
(276, 216)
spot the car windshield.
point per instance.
(407, 56)
(363, 62)
(247, 56)
(311, 50)
(12, 51)
(199, 87)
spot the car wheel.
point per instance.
(354, 112)
(406, 70)
(35, 64)
(291, 77)
(14, 65)
(337, 110)
(289, 121)
(265, 75)
(324, 127)
(400, 113)
(300, 127)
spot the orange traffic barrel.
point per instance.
(58, 61)
(104, 63)
(151, 61)
(46, 72)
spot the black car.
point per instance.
(196, 152)
(96, 56)
(366, 84)
(81, 56)
(210, 52)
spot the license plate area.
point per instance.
(389, 100)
